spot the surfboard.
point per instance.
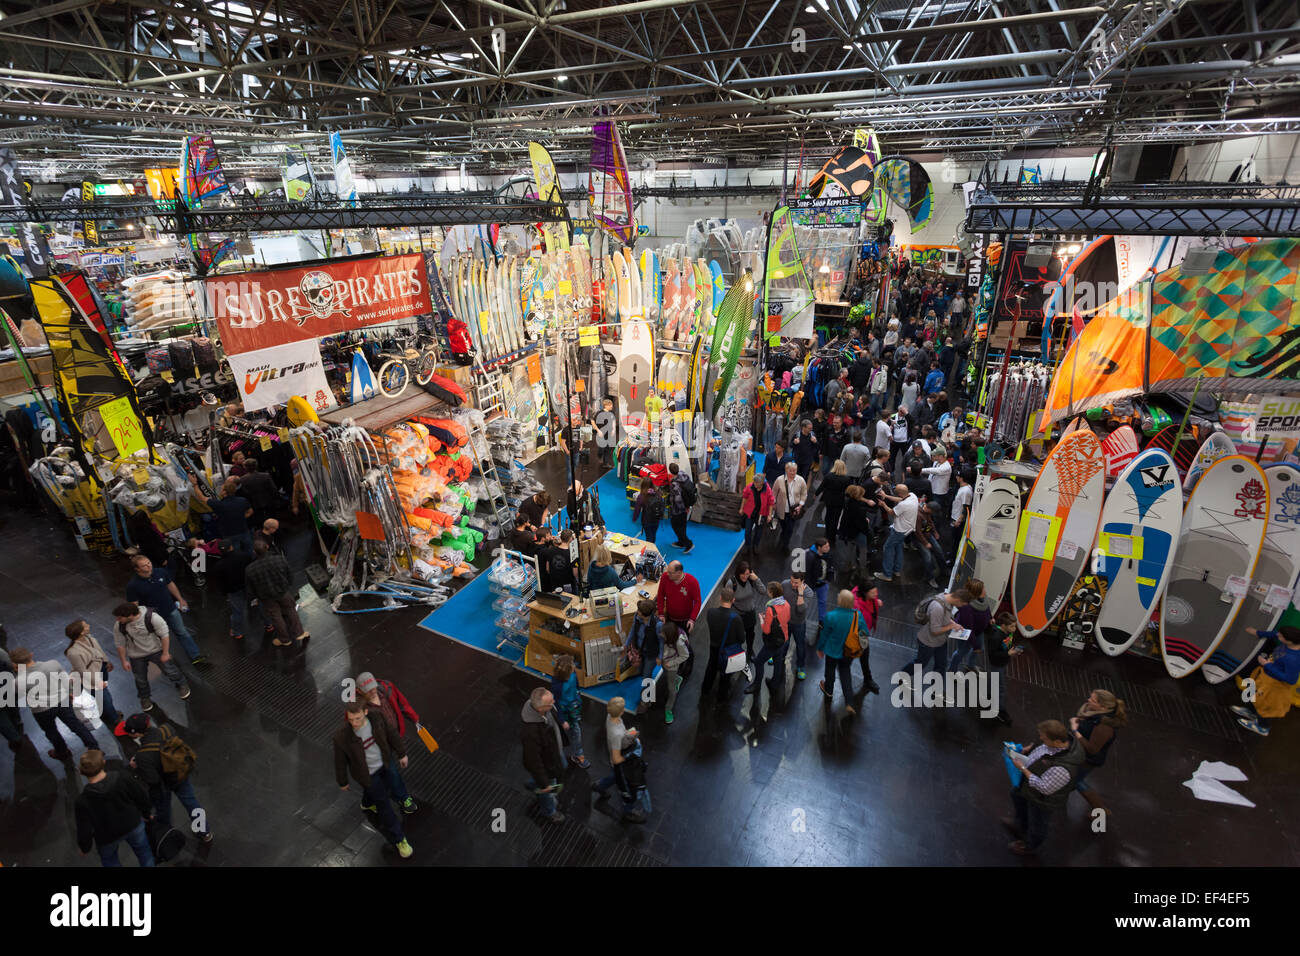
(634, 367)
(1185, 454)
(624, 284)
(717, 284)
(1139, 531)
(1056, 531)
(703, 298)
(993, 522)
(1217, 446)
(672, 297)
(1120, 448)
(675, 451)
(1222, 533)
(1275, 577)
(686, 307)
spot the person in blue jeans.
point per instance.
(976, 617)
(568, 707)
(162, 785)
(648, 508)
(155, 588)
(818, 570)
(370, 751)
(110, 810)
(902, 507)
(932, 637)
(88, 659)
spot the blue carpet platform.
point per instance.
(467, 618)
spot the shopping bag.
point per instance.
(426, 737)
(87, 711)
(1013, 772)
(735, 661)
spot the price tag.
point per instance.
(548, 294)
(123, 426)
(579, 385)
(1067, 549)
(534, 366)
(140, 476)
(992, 532)
(168, 377)
(589, 335)
(1277, 598)
(284, 434)
(566, 287)
(1236, 586)
(265, 442)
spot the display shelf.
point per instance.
(376, 413)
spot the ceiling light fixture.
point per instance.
(561, 79)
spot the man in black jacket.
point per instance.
(162, 784)
(364, 748)
(112, 808)
(543, 751)
(726, 629)
(229, 572)
(269, 580)
(860, 372)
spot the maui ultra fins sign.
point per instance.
(272, 376)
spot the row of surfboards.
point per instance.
(1226, 561)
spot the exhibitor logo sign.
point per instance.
(272, 376)
(259, 310)
(1278, 418)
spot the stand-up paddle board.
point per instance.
(634, 367)
(1139, 531)
(992, 535)
(1057, 529)
(1275, 576)
(1223, 531)
(1217, 446)
(1120, 448)
(1185, 454)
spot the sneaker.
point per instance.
(873, 687)
(146, 705)
(749, 673)
(185, 692)
(206, 837)
(408, 805)
(689, 548)
(60, 755)
(404, 850)
(1253, 726)
(556, 817)
(1242, 711)
(582, 763)
(369, 808)
(800, 674)
(821, 685)
(882, 576)
(848, 709)
(668, 716)
(201, 660)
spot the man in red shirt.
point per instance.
(679, 597)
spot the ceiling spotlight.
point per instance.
(847, 46)
(561, 79)
(810, 9)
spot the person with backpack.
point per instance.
(843, 638)
(142, 638)
(372, 754)
(682, 495)
(775, 647)
(756, 503)
(935, 617)
(726, 633)
(164, 763)
(110, 810)
(648, 508)
(818, 572)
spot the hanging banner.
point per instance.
(296, 174)
(162, 182)
(89, 228)
(36, 251)
(345, 184)
(838, 213)
(256, 310)
(272, 376)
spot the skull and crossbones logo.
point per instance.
(318, 290)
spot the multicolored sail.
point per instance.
(907, 183)
(1237, 329)
(296, 174)
(609, 188)
(200, 172)
(345, 184)
(852, 169)
(787, 290)
(548, 191)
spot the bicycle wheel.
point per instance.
(394, 376)
(425, 367)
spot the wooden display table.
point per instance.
(595, 642)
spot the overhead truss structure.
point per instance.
(427, 84)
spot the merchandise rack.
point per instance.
(513, 579)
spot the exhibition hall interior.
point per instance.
(649, 434)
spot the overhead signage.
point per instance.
(258, 310)
(272, 376)
(837, 213)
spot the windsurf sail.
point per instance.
(90, 381)
(200, 174)
(296, 174)
(609, 188)
(907, 183)
(13, 192)
(345, 184)
(1237, 330)
(548, 191)
(1031, 175)
(852, 169)
(787, 290)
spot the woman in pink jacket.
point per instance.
(756, 503)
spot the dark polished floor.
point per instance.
(730, 786)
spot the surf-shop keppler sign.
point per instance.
(258, 310)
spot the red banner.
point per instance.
(257, 310)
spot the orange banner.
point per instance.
(257, 310)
